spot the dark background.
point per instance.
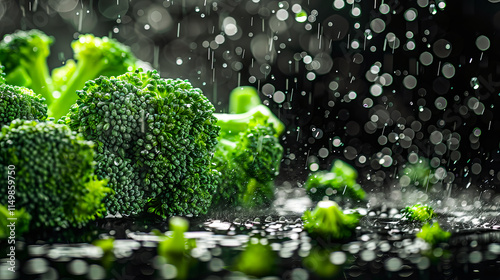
(328, 108)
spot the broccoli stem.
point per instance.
(85, 70)
(236, 123)
(38, 71)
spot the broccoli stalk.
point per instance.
(94, 57)
(248, 154)
(329, 222)
(24, 55)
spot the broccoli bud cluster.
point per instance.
(155, 140)
(53, 173)
(20, 103)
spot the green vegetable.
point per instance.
(155, 139)
(418, 174)
(22, 221)
(2, 74)
(94, 57)
(24, 55)
(418, 212)
(249, 154)
(318, 261)
(338, 184)
(329, 222)
(53, 170)
(433, 234)
(20, 103)
(258, 259)
(107, 246)
(175, 248)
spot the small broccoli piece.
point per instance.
(329, 222)
(249, 154)
(175, 247)
(54, 173)
(94, 57)
(418, 212)
(258, 259)
(338, 184)
(318, 261)
(418, 174)
(155, 140)
(21, 223)
(2, 75)
(24, 55)
(433, 234)
(20, 103)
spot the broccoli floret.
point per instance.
(318, 261)
(418, 173)
(22, 221)
(54, 173)
(433, 234)
(94, 57)
(20, 103)
(24, 55)
(248, 155)
(258, 259)
(174, 249)
(155, 141)
(337, 184)
(418, 212)
(329, 222)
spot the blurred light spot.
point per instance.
(109, 9)
(63, 6)
(384, 9)
(426, 58)
(448, 70)
(377, 25)
(323, 152)
(338, 258)
(78, 267)
(282, 14)
(483, 43)
(338, 4)
(440, 103)
(411, 14)
(410, 82)
(219, 39)
(393, 264)
(376, 90)
(279, 97)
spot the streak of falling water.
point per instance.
(80, 21)
(178, 29)
(156, 55)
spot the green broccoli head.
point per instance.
(258, 259)
(433, 234)
(248, 155)
(20, 103)
(155, 141)
(418, 212)
(95, 56)
(53, 169)
(329, 222)
(24, 55)
(338, 184)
